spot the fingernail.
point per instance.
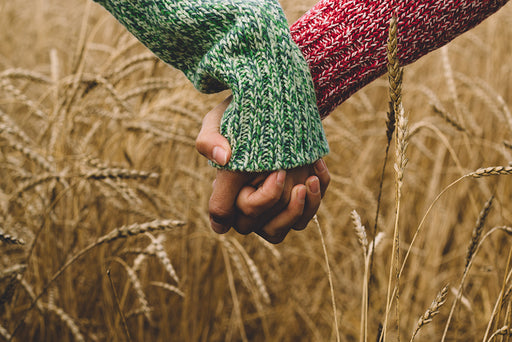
(320, 166)
(281, 176)
(314, 185)
(220, 156)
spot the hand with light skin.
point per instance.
(269, 204)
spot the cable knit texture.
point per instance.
(273, 121)
(344, 41)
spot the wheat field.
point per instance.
(104, 230)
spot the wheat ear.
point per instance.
(118, 233)
(137, 286)
(401, 142)
(432, 311)
(10, 239)
(472, 251)
(73, 327)
(492, 171)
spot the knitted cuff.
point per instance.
(344, 42)
(273, 121)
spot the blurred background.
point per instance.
(97, 134)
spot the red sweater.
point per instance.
(344, 41)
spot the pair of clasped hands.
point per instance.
(269, 204)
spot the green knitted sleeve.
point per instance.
(245, 45)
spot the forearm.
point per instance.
(344, 42)
(245, 45)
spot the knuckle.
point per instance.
(243, 225)
(276, 235)
(274, 192)
(275, 239)
(220, 214)
(201, 144)
(251, 212)
(301, 225)
(243, 230)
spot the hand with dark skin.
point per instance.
(269, 204)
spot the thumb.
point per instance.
(222, 201)
(209, 142)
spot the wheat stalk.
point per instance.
(253, 271)
(94, 80)
(168, 287)
(10, 288)
(360, 231)
(477, 231)
(11, 128)
(10, 239)
(44, 162)
(129, 64)
(137, 286)
(450, 80)
(158, 248)
(118, 307)
(118, 173)
(32, 183)
(432, 310)
(4, 333)
(73, 327)
(237, 261)
(175, 109)
(124, 190)
(234, 295)
(329, 275)
(503, 296)
(25, 74)
(118, 233)
(401, 142)
(474, 246)
(151, 85)
(136, 229)
(21, 98)
(438, 109)
(12, 271)
(395, 75)
(158, 133)
(503, 331)
(492, 171)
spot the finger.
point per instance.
(276, 230)
(253, 202)
(313, 199)
(245, 224)
(209, 142)
(256, 182)
(222, 201)
(323, 175)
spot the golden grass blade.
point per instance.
(329, 275)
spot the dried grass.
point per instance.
(95, 132)
(432, 310)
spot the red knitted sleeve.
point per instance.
(344, 41)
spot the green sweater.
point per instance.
(245, 45)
